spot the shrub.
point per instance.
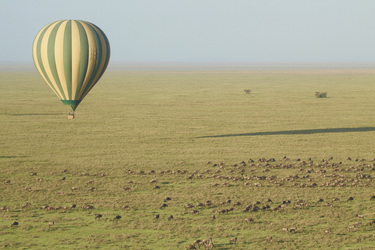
(321, 94)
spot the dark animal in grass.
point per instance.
(27, 205)
(98, 216)
(87, 207)
(265, 207)
(189, 205)
(170, 217)
(15, 223)
(223, 211)
(249, 220)
(191, 247)
(5, 208)
(167, 199)
(197, 242)
(163, 206)
(117, 218)
(50, 224)
(194, 212)
(207, 243)
(269, 239)
(233, 240)
(200, 205)
(156, 217)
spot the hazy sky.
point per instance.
(252, 31)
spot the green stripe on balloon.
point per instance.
(51, 58)
(100, 59)
(107, 50)
(98, 53)
(84, 57)
(72, 103)
(67, 55)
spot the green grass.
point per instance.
(174, 122)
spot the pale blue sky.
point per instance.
(251, 31)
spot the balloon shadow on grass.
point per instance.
(298, 132)
(32, 114)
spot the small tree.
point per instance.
(321, 94)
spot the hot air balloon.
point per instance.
(71, 56)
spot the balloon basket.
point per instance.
(71, 115)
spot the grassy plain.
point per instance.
(138, 129)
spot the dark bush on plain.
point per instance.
(321, 94)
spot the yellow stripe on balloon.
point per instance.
(76, 57)
(44, 55)
(36, 62)
(59, 57)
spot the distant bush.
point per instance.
(321, 94)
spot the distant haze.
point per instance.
(205, 31)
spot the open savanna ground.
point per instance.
(184, 155)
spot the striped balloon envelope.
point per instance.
(71, 56)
